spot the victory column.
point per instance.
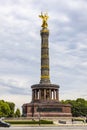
(45, 96)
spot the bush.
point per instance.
(46, 122)
(29, 122)
(78, 119)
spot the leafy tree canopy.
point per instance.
(17, 113)
(78, 106)
(6, 109)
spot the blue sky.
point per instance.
(20, 47)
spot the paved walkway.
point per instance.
(47, 128)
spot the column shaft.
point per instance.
(45, 77)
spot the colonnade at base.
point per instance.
(45, 94)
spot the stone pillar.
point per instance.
(35, 94)
(32, 94)
(39, 93)
(44, 94)
(50, 94)
(54, 94)
(57, 94)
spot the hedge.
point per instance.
(29, 122)
(78, 119)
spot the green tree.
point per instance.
(78, 106)
(17, 113)
(4, 109)
(82, 106)
(12, 108)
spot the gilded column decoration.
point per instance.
(44, 18)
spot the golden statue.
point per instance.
(44, 20)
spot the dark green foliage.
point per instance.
(17, 113)
(12, 108)
(29, 122)
(46, 122)
(6, 109)
(78, 106)
(78, 119)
